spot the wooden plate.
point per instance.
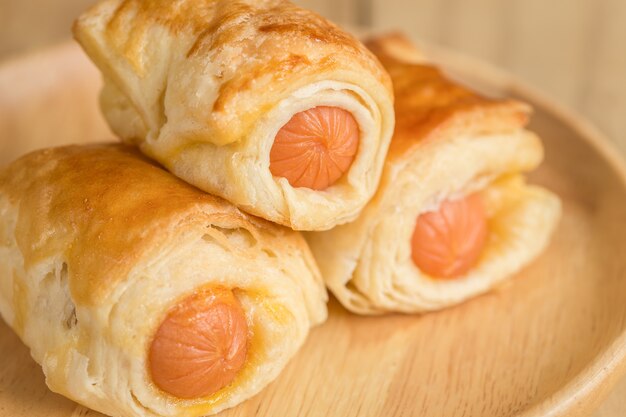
(552, 342)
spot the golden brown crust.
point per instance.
(429, 105)
(104, 206)
(449, 142)
(277, 46)
(203, 87)
(98, 243)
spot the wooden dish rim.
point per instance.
(585, 391)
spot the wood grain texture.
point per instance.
(572, 49)
(552, 342)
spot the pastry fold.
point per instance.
(449, 143)
(98, 244)
(203, 86)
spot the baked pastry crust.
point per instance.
(449, 142)
(203, 86)
(98, 243)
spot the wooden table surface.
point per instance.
(575, 50)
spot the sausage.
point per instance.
(201, 345)
(315, 148)
(448, 242)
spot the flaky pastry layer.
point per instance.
(98, 243)
(449, 142)
(203, 86)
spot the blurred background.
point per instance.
(574, 50)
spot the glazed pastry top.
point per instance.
(428, 104)
(106, 205)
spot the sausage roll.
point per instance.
(260, 102)
(453, 215)
(140, 295)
